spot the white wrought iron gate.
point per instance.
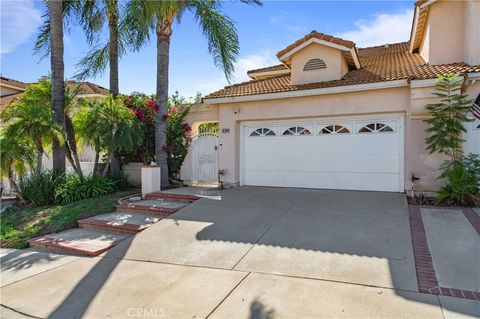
(204, 158)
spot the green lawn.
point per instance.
(20, 224)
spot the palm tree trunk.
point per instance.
(57, 69)
(114, 85)
(40, 152)
(107, 164)
(72, 146)
(113, 45)
(95, 163)
(13, 184)
(164, 32)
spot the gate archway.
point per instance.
(204, 158)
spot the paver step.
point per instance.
(172, 197)
(130, 223)
(79, 241)
(158, 207)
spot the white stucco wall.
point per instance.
(402, 101)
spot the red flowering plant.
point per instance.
(178, 133)
(144, 108)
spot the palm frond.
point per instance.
(221, 34)
(94, 63)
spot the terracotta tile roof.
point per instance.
(13, 82)
(317, 35)
(87, 88)
(7, 99)
(278, 67)
(380, 63)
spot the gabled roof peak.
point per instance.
(325, 38)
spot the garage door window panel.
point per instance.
(376, 127)
(335, 129)
(263, 131)
(297, 130)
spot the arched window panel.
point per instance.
(297, 130)
(262, 131)
(335, 129)
(314, 64)
(377, 127)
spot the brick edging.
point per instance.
(104, 225)
(55, 244)
(426, 276)
(157, 211)
(172, 197)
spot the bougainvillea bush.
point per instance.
(144, 108)
(178, 133)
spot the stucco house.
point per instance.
(335, 116)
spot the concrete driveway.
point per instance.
(252, 252)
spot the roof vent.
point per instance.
(314, 64)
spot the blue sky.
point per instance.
(263, 31)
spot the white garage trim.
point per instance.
(327, 128)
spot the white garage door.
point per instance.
(365, 154)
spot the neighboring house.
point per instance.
(12, 90)
(335, 116)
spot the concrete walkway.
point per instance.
(247, 253)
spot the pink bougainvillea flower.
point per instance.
(164, 148)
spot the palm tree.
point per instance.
(55, 8)
(110, 126)
(41, 94)
(15, 158)
(88, 126)
(222, 40)
(91, 15)
(122, 32)
(33, 121)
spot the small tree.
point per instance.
(34, 122)
(447, 118)
(446, 125)
(87, 127)
(111, 127)
(16, 157)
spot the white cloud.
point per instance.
(19, 21)
(382, 29)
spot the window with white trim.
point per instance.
(334, 129)
(263, 131)
(297, 130)
(376, 127)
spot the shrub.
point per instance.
(39, 189)
(74, 189)
(472, 164)
(462, 187)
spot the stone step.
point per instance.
(80, 241)
(130, 223)
(172, 197)
(157, 207)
